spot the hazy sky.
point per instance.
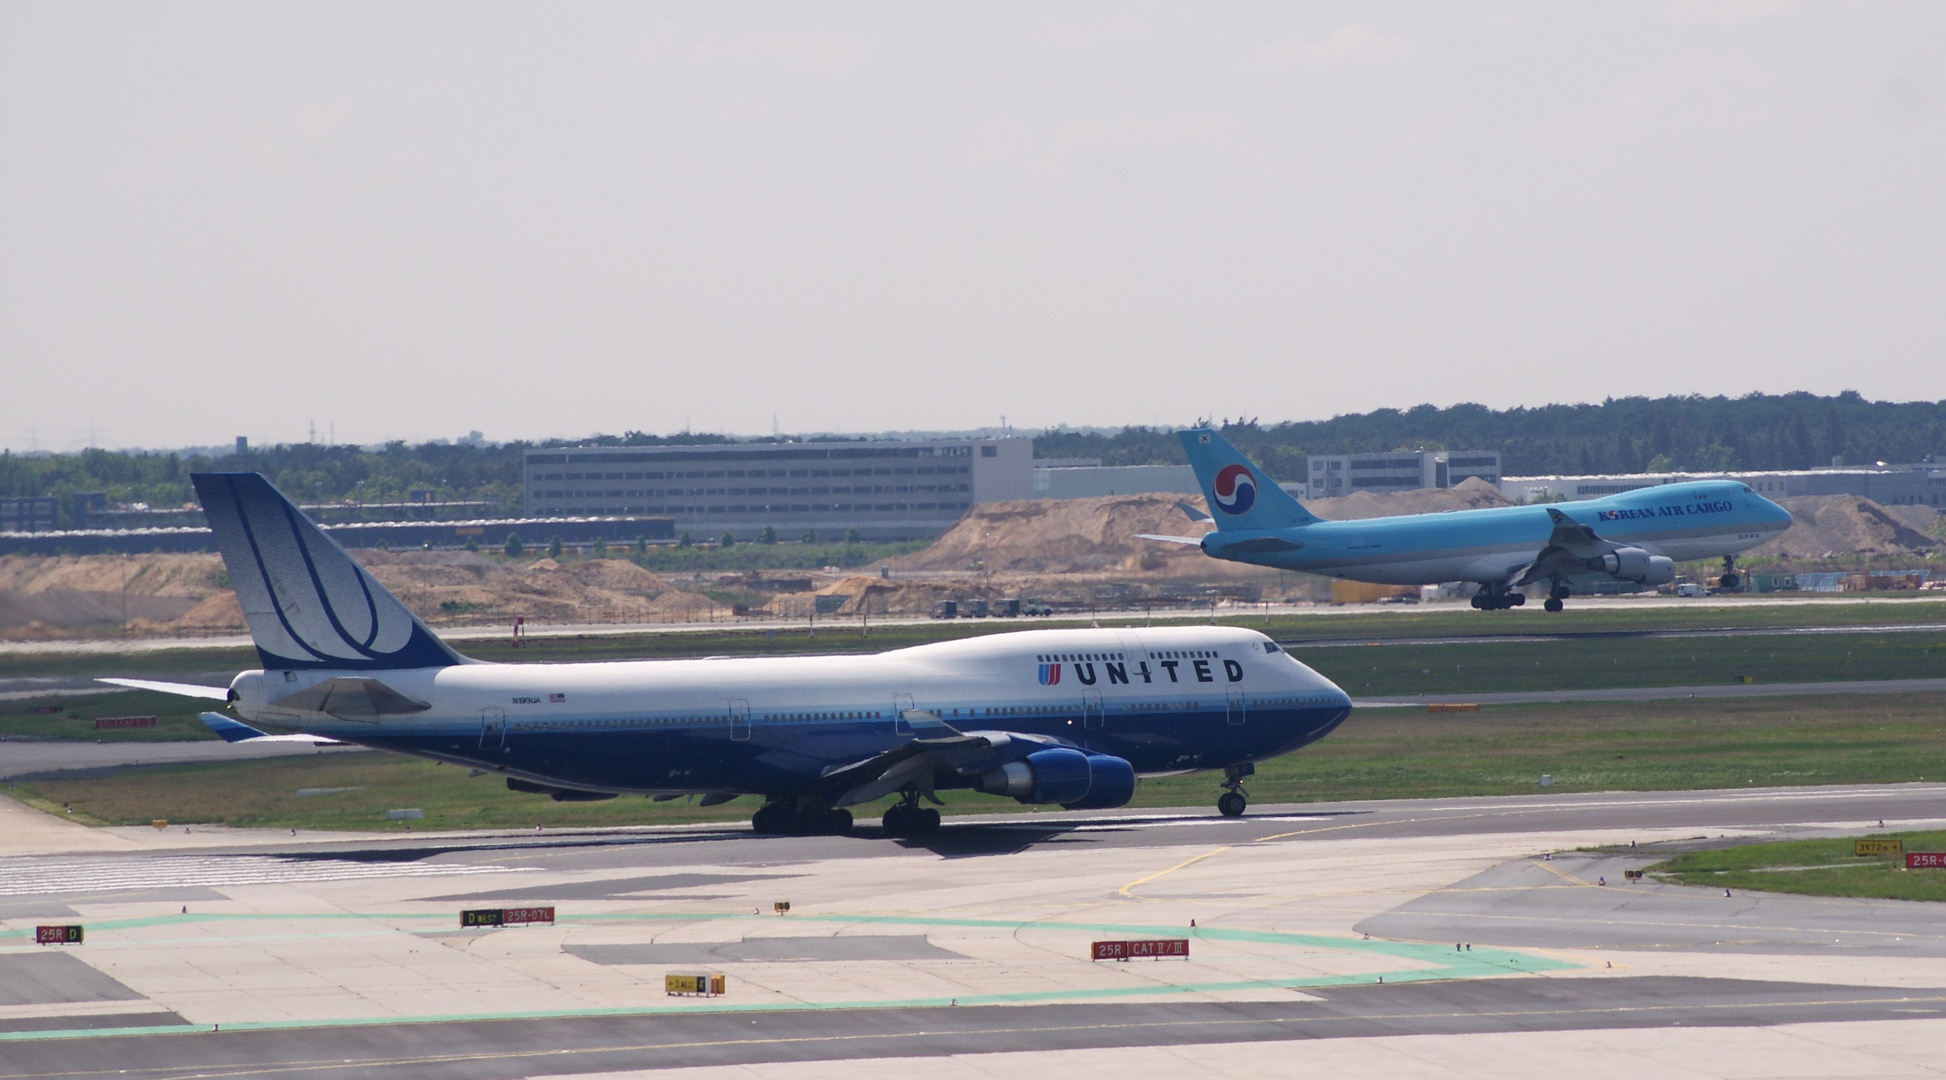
(408, 220)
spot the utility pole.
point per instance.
(124, 594)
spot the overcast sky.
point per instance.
(410, 220)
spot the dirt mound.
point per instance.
(1471, 493)
(1073, 536)
(1826, 525)
(190, 593)
(1064, 536)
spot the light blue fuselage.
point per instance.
(1701, 520)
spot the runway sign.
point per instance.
(57, 935)
(1877, 847)
(1925, 860)
(705, 985)
(124, 721)
(1152, 949)
(1446, 706)
(514, 916)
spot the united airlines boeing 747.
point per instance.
(1067, 717)
(1636, 536)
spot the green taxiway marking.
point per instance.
(1479, 963)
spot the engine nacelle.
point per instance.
(1634, 564)
(1076, 780)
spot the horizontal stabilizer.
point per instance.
(233, 731)
(1194, 514)
(213, 693)
(1195, 541)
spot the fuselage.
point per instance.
(1700, 520)
(1167, 700)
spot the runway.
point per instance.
(1660, 693)
(1334, 922)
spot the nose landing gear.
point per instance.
(1730, 579)
(1234, 799)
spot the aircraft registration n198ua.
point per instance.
(1068, 717)
(1636, 536)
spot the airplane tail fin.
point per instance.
(1240, 495)
(308, 603)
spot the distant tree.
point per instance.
(1660, 464)
(728, 541)
(554, 548)
(641, 545)
(601, 548)
(513, 547)
(685, 540)
(472, 545)
(765, 535)
(381, 545)
(810, 537)
(852, 536)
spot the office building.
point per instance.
(886, 490)
(1341, 474)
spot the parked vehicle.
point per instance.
(975, 608)
(1006, 609)
(1690, 588)
(945, 609)
(1036, 607)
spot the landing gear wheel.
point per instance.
(1518, 599)
(772, 818)
(1729, 581)
(1479, 602)
(897, 820)
(1232, 804)
(925, 821)
(1553, 604)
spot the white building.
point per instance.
(1409, 470)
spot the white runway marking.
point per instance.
(22, 877)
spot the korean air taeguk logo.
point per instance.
(1236, 490)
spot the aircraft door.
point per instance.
(1233, 704)
(493, 729)
(1091, 714)
(739, 719)
(901, 704)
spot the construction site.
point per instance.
(1068, 555)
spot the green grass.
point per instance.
(175, 717)
(1813, 868)
(1403, 753)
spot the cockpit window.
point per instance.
(1271, 647)
(1747, 491)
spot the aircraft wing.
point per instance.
(235, 731)
(1568, 549)
(914, 763)
(1195, 540)
(214, 693)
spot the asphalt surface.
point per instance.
(1661, 693)
(491, 1050)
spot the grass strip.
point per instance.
(1813, 868)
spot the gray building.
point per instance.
(1921, 484)
(1083, 478)
(31, 514)
(886, 490)
(1409, 470)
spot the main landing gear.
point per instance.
(1555, 596)
(907, 818)
(1234, 799)
(1491, 599)
(1730, 579)
(786, 817)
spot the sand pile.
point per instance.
(1834, 525)
(190, 593)
(874, 595)
(1070, 536)
(59, 591)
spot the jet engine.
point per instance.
(1076, 780)
(1634, 564)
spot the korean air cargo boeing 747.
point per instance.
(1636, 536)
(1067, 717)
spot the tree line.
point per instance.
(1635, 434)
